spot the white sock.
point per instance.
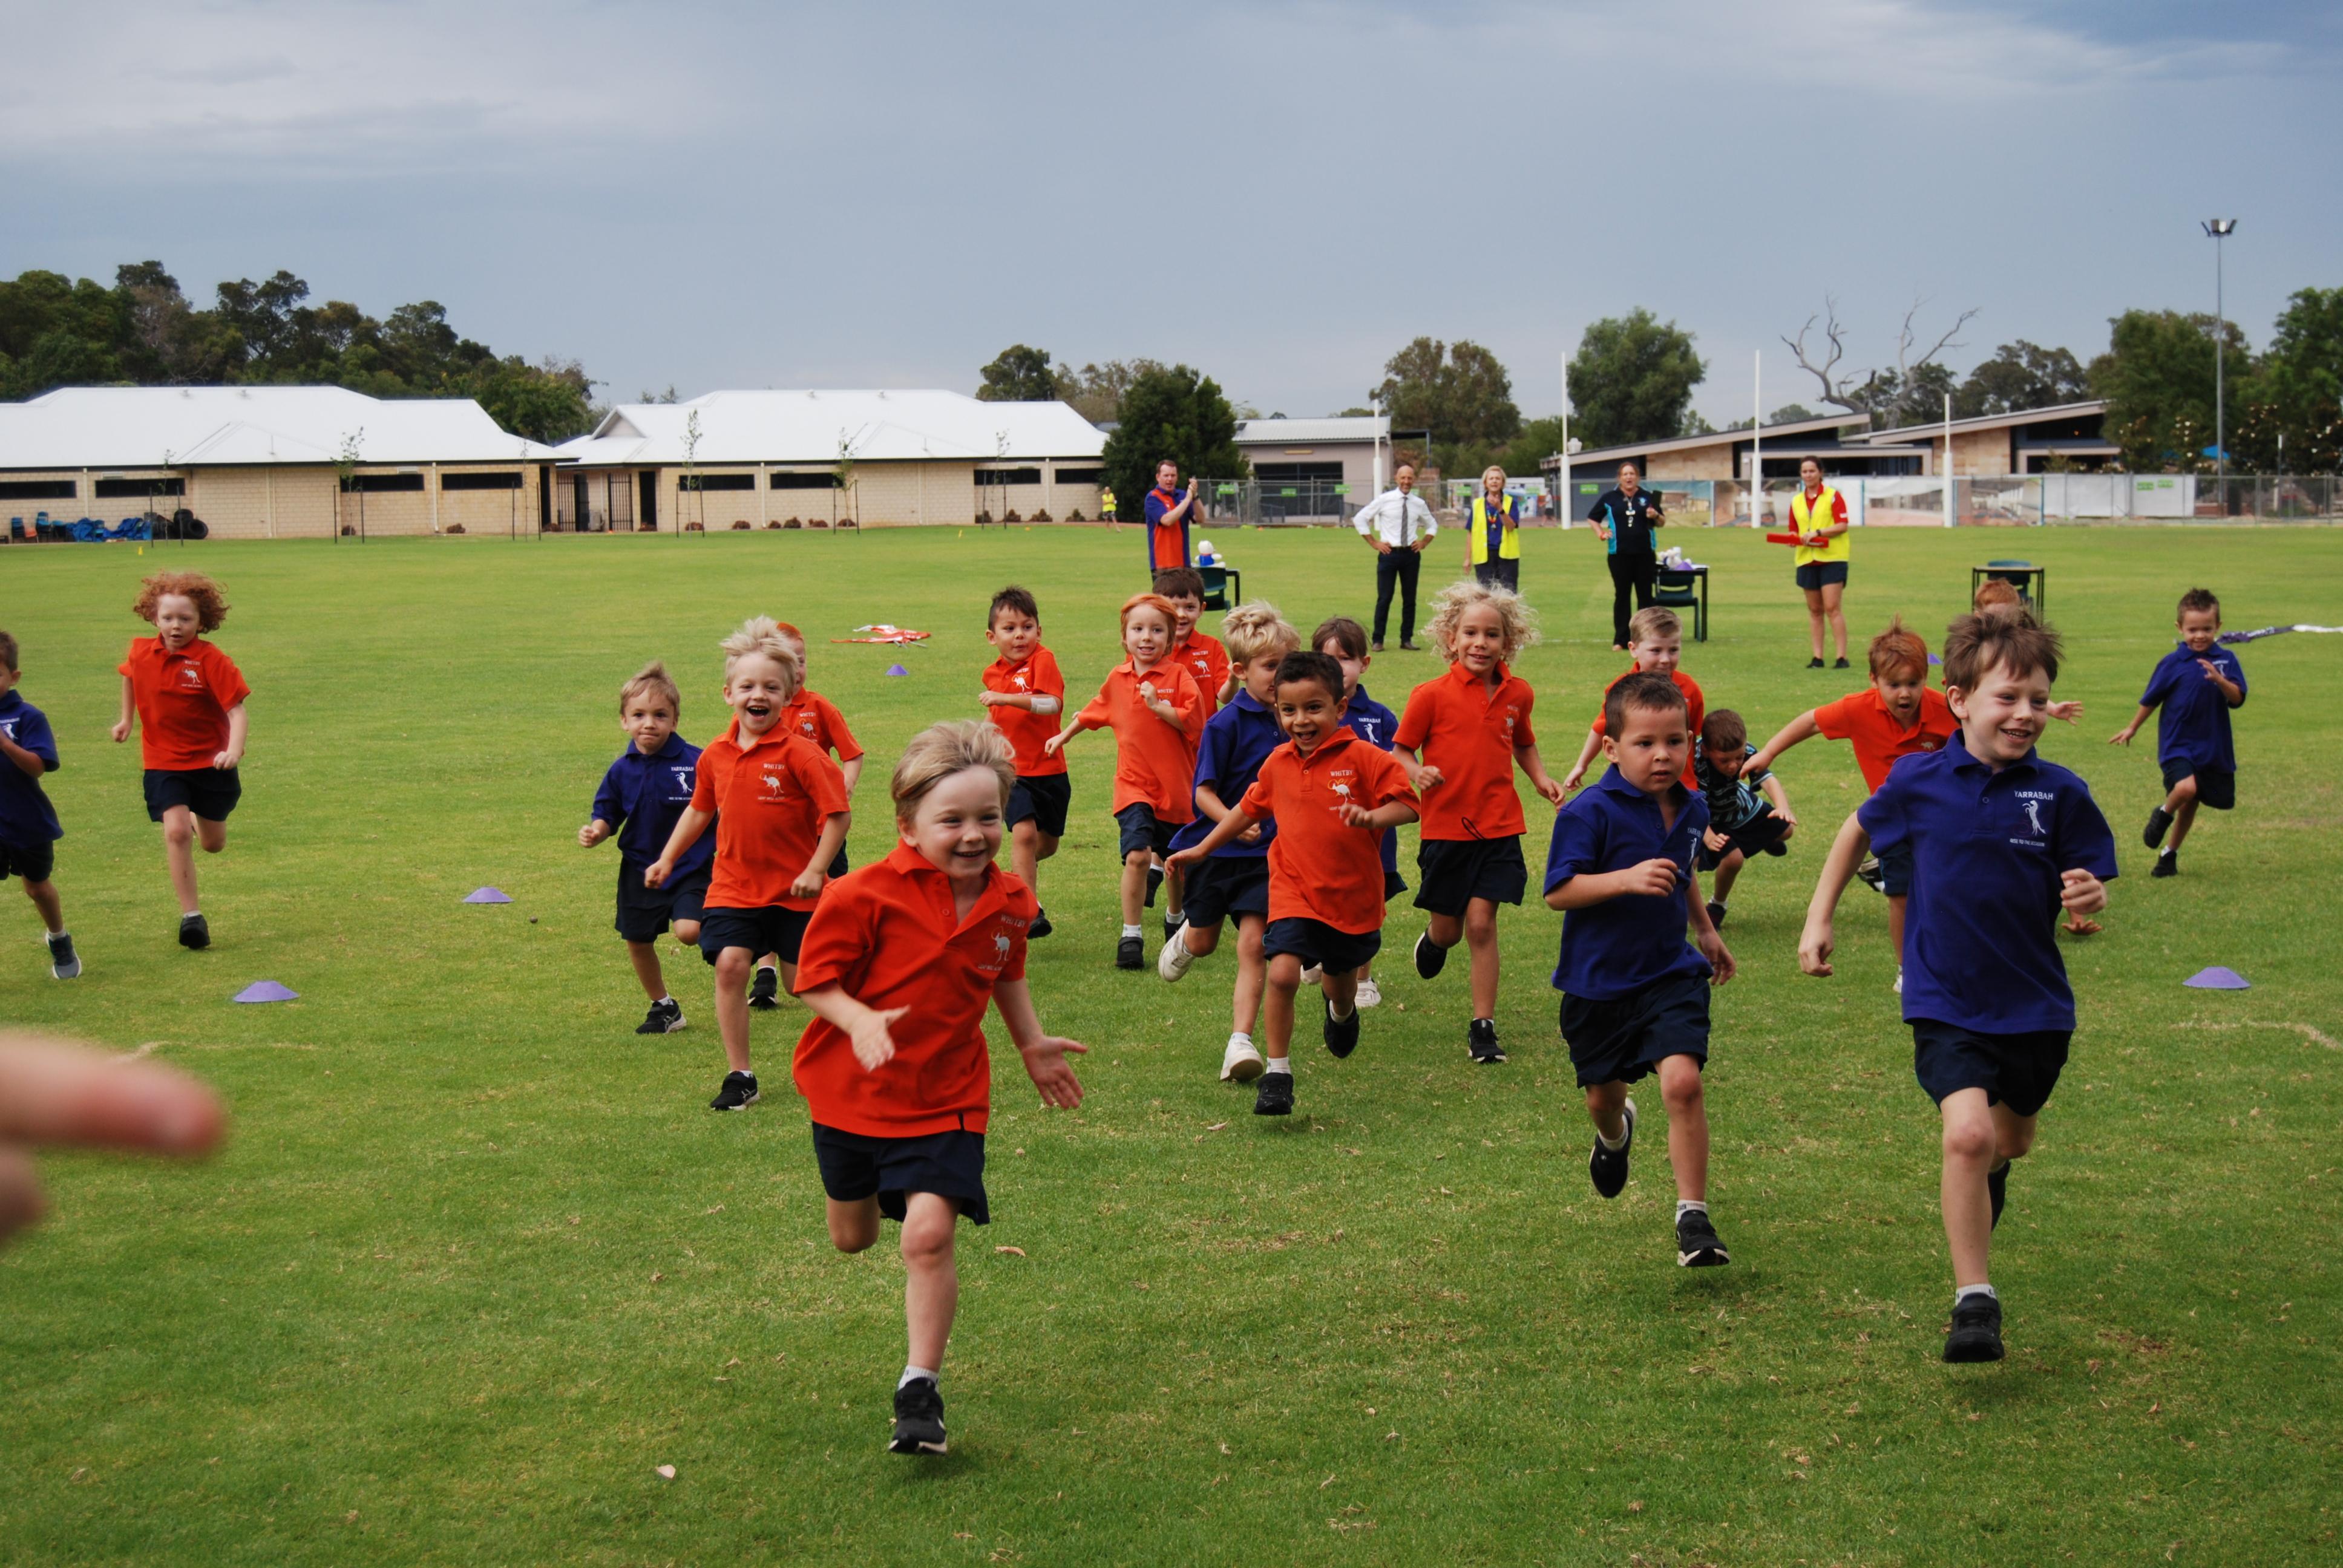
(1344, 1016)
(1964, 1291)
(769, 969)
(1612, 1146)
(1133, 930)
(664, 1001)
(56, 934)
(1241, 1037)
(912, 1373)
(2169, 849)
(1690, 1206)
(1281, 1064)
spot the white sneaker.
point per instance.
(1241, 1061)
(1172, 963)
(1370, 993)
(1313, 975)
(1899, 980)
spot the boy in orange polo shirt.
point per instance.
(896, 968)
(814, 716)
(1207, 659)
(1024, 695)
(779, 810)
(1656, 643)
(1158, 718)
(1461, 737)
(190, 697)
(1322, 788)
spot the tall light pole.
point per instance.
(2220, 229)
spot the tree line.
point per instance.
(144, 331)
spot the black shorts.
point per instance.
(1458, 870)
(1141, 833)
(1750, 839)
(645, 912)
(210, 793)
(838, 866)
(33, 862)
(1316, 942)
(855, 1166)
(2215, 787)
(1043, 797)
(1815, 574)
(1228, 885)
(2019, 1071)
(1620, 1041)
(1896, 870)
(762, 931)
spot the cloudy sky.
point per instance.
(1282, 193)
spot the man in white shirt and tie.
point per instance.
(1398, 524)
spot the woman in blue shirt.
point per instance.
(1624, 517)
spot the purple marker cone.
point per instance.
(2218, 979)
(897, 669)
(486, 895)
(266, 990)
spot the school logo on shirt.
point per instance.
(1024, 681)
(775, 789)
(805, 724)
(683, 781)
(2033, 800)
(190, 678)
(1931, 742)
(1367, 730)
(1000, 946)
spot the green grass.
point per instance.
(477, 1260)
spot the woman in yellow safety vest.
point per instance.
(1818, 516)
(1496, 535)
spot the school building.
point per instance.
(269, 462)
(819, 458)
(1317, 468)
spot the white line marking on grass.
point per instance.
(2315, 1036)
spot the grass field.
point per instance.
(476, 1258)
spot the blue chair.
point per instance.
(1223, 587)
(16, 533)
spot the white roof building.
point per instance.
(810, 427)
(117, 427)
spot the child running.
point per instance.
(1344, 641)
(1739, 823)
(1328, 791)
(779, 810)
(646, 789)
(814, 716)
(189, 697)
(1208, 661)
(1233, 883)
(896, 966)
(28, 823)
(1635, 998)
(2196, 685)
(2000, 840)
(1655, 644)
(1459, 740)
(1025, 694)
(1158, 716)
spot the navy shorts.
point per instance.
(2019, 1071)
(1141, 833)
(210, 793)
(1458, 870)
(1896, 870)
(645, 912)
(1316, 942)
(1815, 574)
(762, 931)
(2215, 787)
(1228, 885)
(855, 1166)
(33, 862)
(1042, 797)
(1750, 839)
(1620, 1041)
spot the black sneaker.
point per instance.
(1610, 1170)
(1155, 880)
(737, 1092)
(765, 990)
(63, 963)
(1815, 663)
(1698, 1246)
(1778, 848)
(1841, 664)
(1716, 912)
(1130, 953)
(2159, 822)
(2168, 864)
(1997, 1187)
(1873, 877)
(1976, 1334)
(1480, 1040)
(1431, 958)
(1341, 1034)
(664, 1018)
(1274, 1095)
(919, 1418)
(194, 931)
(1041, 926)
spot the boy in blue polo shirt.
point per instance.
(1634, 997)
(646, 789)
(28, 823)
(2195, 684)
(2000, 840)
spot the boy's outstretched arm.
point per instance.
(1704, 935)
(1074, 726)
(852, 770)
(2122, 736)
(239, 726)
(1577, 774)
(25, 762)
(864, 1027)
(1045, 1054)
(825, 849)
(594, 832)
(1420, 776)
(688, 830)
(1845, 853)
(121, 730)
(1390, 814)
(1801, 727)
(1780, 797)
(1231, 826)
(1533, 767)
(1654, 879)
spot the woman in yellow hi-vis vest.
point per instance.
(1818, 516)
(1494, 533)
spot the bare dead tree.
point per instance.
(1834, 391)
(1905, 364)
(1852, 391)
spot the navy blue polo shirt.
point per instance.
(26, 818)
(1980, 932)
(1376, 724)
(2194, 726)
(1612, 949)
(641, 796)
(1236, 740)
(1629, 518)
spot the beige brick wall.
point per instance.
(1980, 452)
(1699, 463)
(489, 511)
(886, 495)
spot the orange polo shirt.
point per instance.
(1155, 764)
(1696, 711)
(1469, 731)
(771, 798)
(182, 700)
(1320, 866)
(1027, 731)
(1862, 717)
(1205, 658)
(886, 935)
(816, 718)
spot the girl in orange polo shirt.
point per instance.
(189, 697)
(896, 966)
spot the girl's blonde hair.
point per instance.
(1448, 613)
(941, 750)
(653, 679)
(1254, 629)
(761, 634)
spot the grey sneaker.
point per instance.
(63, 963)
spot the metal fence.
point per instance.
(1323, 502)
(2012, 501)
